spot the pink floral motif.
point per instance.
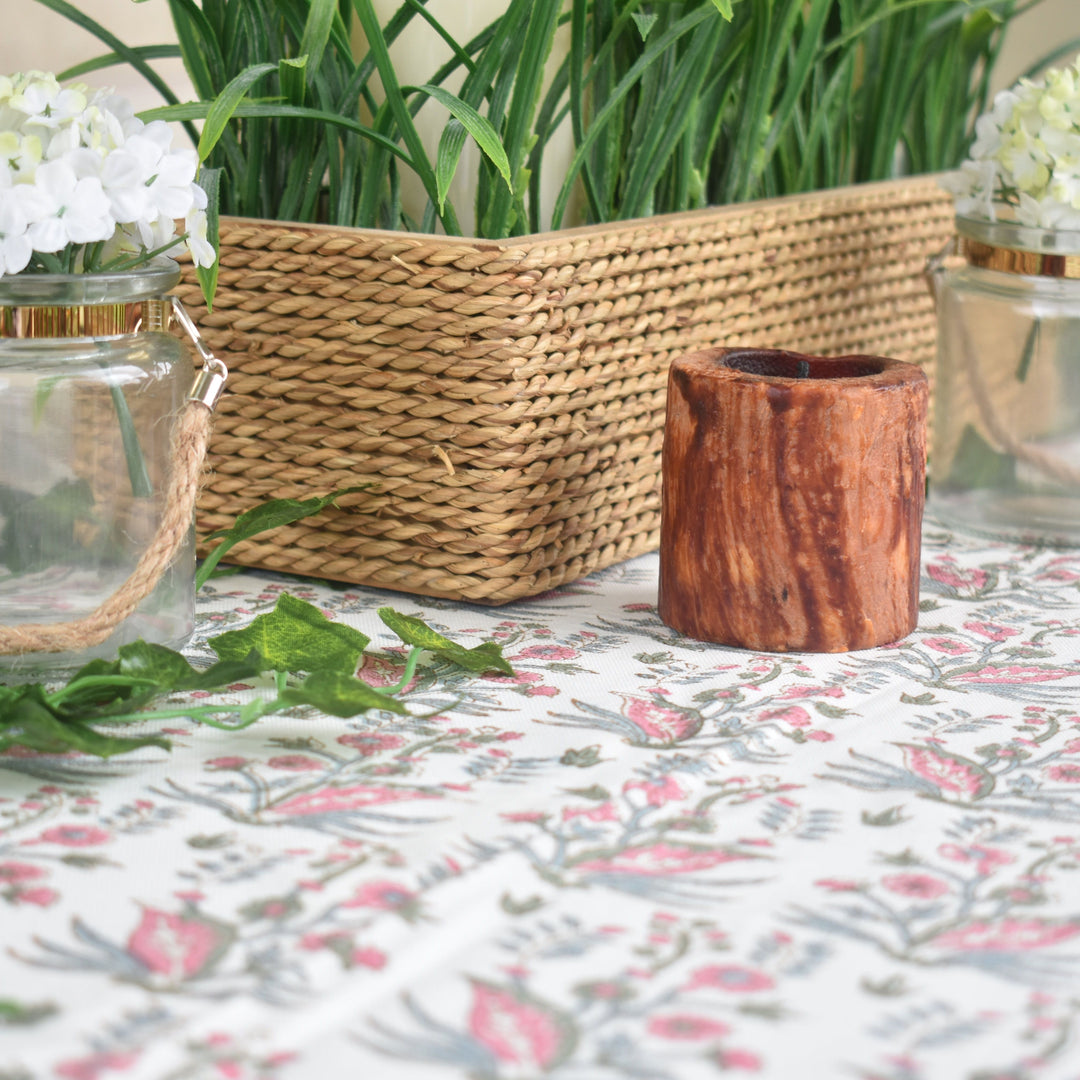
(15, 872)
(657, 721)
(368, 957)
(955, 578)
(547, 652)
(385, 895)
(294, 763)
(949, 774)
(987, 859)
(687, 1027)
(738, 1059)
(812, 691)
(1014, 673)
(795, 715)
(993, 631)
(369, 744)
(175, 946)
(226, 763)
(91, 1067)
(39, 896)
(947, 645)
(331, 800)
(1008, 935)
(378, 670)
(733, 978)
(1065, 773)
(516, 1029)
(658, 859)
(838, 885)
(75, 835)
(917, 886)
(657, 792)
(604, 812)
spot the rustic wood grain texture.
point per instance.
(793, 492)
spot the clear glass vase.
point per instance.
(1005, 453)
(90, 387)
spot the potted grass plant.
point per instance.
(502, 393)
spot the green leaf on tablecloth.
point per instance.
(833, 712)
(81, 861)
(339, 694)
(520, 907)
(600, 794)
(902, 858)
(893, 816)
(582, 759)
(295, 636)
(415, 632)
(262, 518)
(653, 659)
(918, 699)
(15, 1013)
(893, 986)
(30, 720)
(210, 841)
(172, 672)
(765, 1010)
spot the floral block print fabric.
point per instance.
(639, 857)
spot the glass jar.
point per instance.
(90, 387)
(1005, 452)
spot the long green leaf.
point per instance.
(264, 518)
(202, 58)
(377, 45)
(484, 135)
(501, 215)
(225, 104)
(320, 21)
(598, 128)
(210, 181)
(146, 52)
(198, 110)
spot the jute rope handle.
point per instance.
(190, 439)
(1045, 461)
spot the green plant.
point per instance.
(673, 104)
(295, 637)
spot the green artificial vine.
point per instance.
(312, 659)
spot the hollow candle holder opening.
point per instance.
(793, 491)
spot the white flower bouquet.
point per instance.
(86, 186)
(1024, 165)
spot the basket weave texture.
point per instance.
(505, 400)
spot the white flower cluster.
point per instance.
(1025, 161)
(78, 168)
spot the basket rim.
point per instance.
(921, 184)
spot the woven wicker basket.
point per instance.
(505, 400)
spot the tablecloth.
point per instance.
(640, 856)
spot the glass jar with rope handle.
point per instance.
(91, 387)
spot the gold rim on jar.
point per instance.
(1016, 261)
(83, 320)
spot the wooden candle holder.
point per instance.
(792, 499)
